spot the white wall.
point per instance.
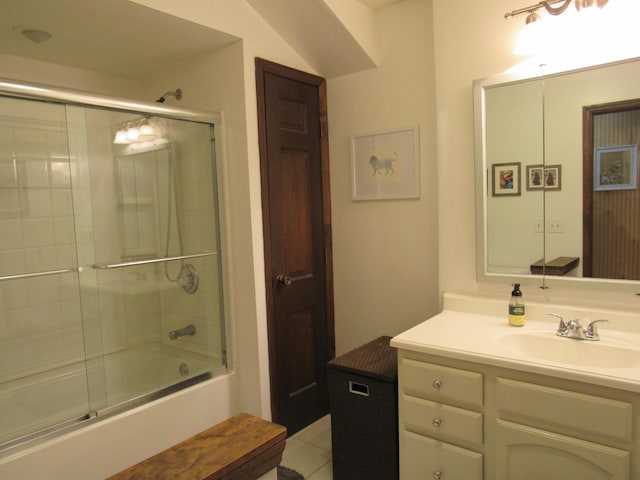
(25, 69)
(513, 135)
(473, 41)
(385, 251)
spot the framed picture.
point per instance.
(552, 177)
(385, 165)
(615, 168)
(505, 179)
(535, 177)
(541, 177)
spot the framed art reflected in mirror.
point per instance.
(615, 168)
(540, 177)
(505, 179)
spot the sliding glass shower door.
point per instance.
(110, 273)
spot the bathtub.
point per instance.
(101, 444)
(148, 368)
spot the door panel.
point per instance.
(297, 247)
(525, 453)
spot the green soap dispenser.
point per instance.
(516, 307)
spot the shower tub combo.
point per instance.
(110, 268)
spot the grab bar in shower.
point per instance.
(39, 274)
(107, 266)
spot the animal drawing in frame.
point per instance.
(385, 165)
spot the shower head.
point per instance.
(177, 93)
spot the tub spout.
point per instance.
(182, 332)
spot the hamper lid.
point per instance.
(376, 359)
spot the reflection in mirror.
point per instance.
(611, 197)
(513, 142)
(533, 129)
(145, 190)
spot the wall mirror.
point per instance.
(557, 177)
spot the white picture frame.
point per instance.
(615, 168)
(385, 164)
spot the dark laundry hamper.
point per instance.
(363, 400)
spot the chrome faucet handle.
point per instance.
(592, 329)
(562, 327)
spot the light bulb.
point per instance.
(147, 132)
(531, 36)
(133, 133)
(121, 137)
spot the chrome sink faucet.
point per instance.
(573, 329)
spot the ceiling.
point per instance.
(378, 3)
(318, 34)
(112, 36)
(124, 38)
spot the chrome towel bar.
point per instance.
(106, 266)
(39, 274)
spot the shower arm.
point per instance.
(177, 93)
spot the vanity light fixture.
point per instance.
(552, 9)
(536, 36)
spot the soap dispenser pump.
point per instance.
(516, 307)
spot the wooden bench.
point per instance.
(243, 447)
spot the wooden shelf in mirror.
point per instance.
(558, 266)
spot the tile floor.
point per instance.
(309, 451)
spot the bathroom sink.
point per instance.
(547, 346)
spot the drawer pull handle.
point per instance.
(437, 384)
(437, 474)
(359, 389)
(436, 422)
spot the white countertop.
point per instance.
(479, 337)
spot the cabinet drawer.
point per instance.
(574, 413)
(444, 422)
(442, 384)
(423, 458)
(525, 453)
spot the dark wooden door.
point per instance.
(297, 231)
(611, 228)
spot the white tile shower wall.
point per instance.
(40, 323)
(194, 170)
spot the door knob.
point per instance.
(286, 280)
(283, 280)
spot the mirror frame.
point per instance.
(482, 188)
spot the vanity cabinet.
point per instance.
(524, 453)
(441, 421)
(545, 417)
(463, 420)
